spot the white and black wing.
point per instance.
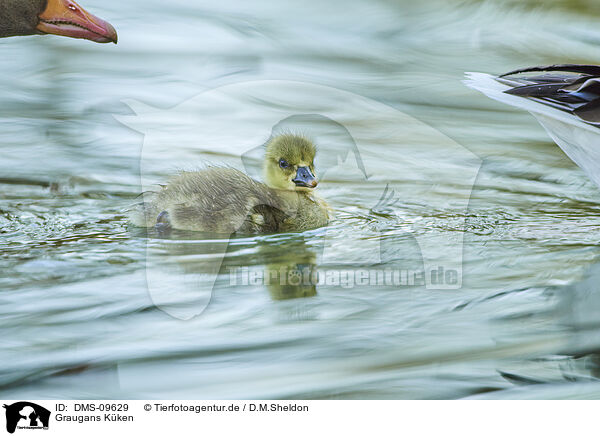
(568, 87)
(565, 99)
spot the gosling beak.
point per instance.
(305, 178)
(67, 18)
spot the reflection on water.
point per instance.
(91, 307)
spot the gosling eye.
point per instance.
(283, 163)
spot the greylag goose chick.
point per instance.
(225, 200)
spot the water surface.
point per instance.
(78, 315)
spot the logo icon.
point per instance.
(26, 415)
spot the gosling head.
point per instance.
(289, 163)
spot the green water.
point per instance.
(93, 308)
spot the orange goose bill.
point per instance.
(67, 18)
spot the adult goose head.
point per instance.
(58, 17)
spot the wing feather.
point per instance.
(577, 92)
